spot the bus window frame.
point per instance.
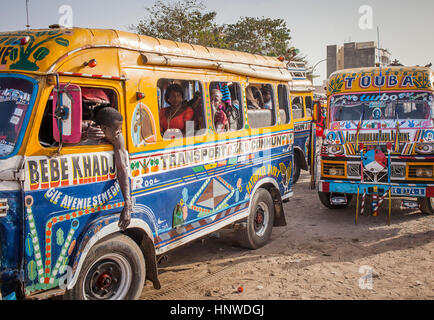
(241, 105)
(308, 115)
(288, 100)
(105, 144)
(203, 131)
(273, 109)
(301, 96)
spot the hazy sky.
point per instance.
(406, 26)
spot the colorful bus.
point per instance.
(302, 109)
(380, 138)
(59, 193)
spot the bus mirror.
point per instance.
(67, 113)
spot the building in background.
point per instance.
(356, 55)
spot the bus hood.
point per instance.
(10, 169)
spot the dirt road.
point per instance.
(320, 254)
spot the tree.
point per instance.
(182, 21)
(187, 21)
(263, 36)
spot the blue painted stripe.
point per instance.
(186, 146)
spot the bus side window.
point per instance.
(308, 103)
(285, 114)
(93, 99)
(226, 106)
(181, 108)
(261, 105)
(297, 108)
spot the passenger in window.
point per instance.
(221, 122)
(266, 95)
(252, 103)
(196, 105)
(178, 113)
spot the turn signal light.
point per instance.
(24, 40)
(90, 63)
(140, 95)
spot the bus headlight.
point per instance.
(336, 149)
(336, 172)
(425, 148)
(424, 173)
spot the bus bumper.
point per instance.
(397, 189)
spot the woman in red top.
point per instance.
(175, 116)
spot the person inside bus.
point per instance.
(178, 113)
(252, 102)
(108, 125)
(221, 122)
(419, 112)
(266, 95)
(196, 104)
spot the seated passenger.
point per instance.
(196, 104)
(252, 103)
(266, 95)
(221, 122)
(178, 113)
(419, 112)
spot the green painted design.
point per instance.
(178, 218)
(14, 54)
(31, 270)
(33, 49)
(60, 237)
(198, 169)
(421, 81)
(41, 53)
(62, 41)
(10, 41)
(232, 160)
(42, 286)
(335, 85)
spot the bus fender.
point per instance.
(138, 229)
(301, 157)
(272, 186)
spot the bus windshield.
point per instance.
(15, 97)
(382, 106)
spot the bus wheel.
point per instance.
(259, 222)
(426, 205)
(296, 169)
(113, 270)
(324, 197)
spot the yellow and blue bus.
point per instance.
(59, 196)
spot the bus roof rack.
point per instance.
(297, 69)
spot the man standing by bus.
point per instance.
(108, 123)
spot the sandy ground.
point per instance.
(320, 254)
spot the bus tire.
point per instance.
(259, 222)
(296, 169)
(426, 205)
(324, 197)
(114, 269)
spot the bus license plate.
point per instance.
(408, 191)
